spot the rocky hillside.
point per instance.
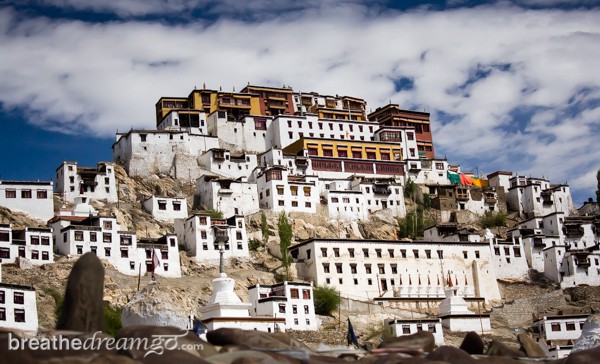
(193, 289)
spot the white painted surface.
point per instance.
(32, 198)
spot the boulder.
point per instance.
(155, 307)
(590, 334)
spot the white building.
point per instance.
(18, 308)
(101, 235)
(404, 327)
(286, 129)
(166, 208)
(169, 152)
(230, 197)
(280, 191)
(246, 135)
(34, 244)
(367, 269)
(222, 163)
(292, 300)
(96, 183)
(509, 257)
(559, 332)
(537, 197)
(456, 316)
(32, 198)
(203, 236)
(562, 247)
(357, 197)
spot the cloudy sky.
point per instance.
(510, 85)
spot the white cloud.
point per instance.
(98, 78)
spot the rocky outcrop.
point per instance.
(153, 306)
(590, 334)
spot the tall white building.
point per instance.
(18, 308)
(166, 208)
(280, 191)
(292, 300)
(102, 235)
(230, 197)
(537, 197)
(97, 183)
(34, 244)
(203, 236)
(32, 198)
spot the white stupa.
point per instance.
(226, 309)
(456, 315)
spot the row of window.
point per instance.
(19, 314)
(351, 252)
(330, 125)
(204, 234)
(282, 309)
(93, 237)
(569, 326)
(203, 220)
(18, 297)
(293, 190)
(240, 246)
(162, 205)
(421, 327)
(35, 254)
(12, 193)
(516, 251)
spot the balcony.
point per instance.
(490, 199)
(414, 166)
(381, 190)
(582, 260)
(302, 162)
(221, 236)
(462, 195)
(219, 156)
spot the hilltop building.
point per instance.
(33, 244)
(96, 183)
(230, 197)
(392, 115)
(204, 235)
(31, 197)
(403, 327)
(166, 208)
(102, 235)
(559, 332)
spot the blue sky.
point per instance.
(511, 85)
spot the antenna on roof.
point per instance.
(220, 88)
(204, 85)
(233, 88)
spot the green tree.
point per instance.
(284, 229)
(264, 228)
(326, 300)
(490, 219)
(426, 201)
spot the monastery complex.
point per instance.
(276, 149)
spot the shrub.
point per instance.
(327, 300)
(112, 320)
(254, 244)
